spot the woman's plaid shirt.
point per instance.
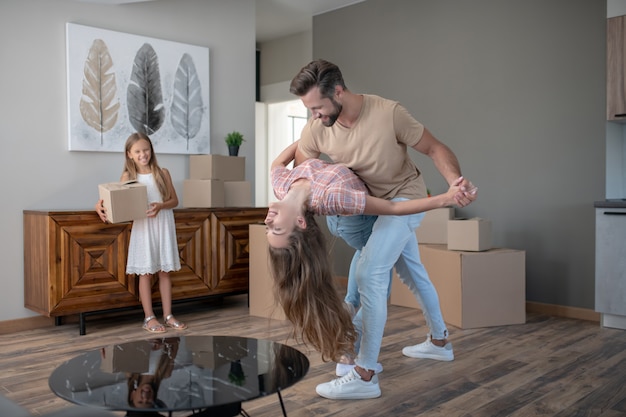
(335, 189)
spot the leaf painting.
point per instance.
(119, 83)
(145, 96)
(99, 104)
(186, 111)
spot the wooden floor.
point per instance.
(547, 367)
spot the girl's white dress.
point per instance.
(153, 244)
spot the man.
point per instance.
(370, 135)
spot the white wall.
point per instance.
(38, 170)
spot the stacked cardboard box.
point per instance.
(434, 226)
(469, 234)
(217, 181)
(115, 360)
(205, 355)
(478, 286)
(476, 289)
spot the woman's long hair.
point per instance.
(304, 286)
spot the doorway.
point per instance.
(283, 124)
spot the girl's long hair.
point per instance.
(163, 370)
(157, 172)
(304, 286)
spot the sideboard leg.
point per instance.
(58, 320)
(81, 324)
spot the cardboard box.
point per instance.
(237, 194)
(203, 193)
(469, 234)
(217, 167)
(476, 289)
(114, 359)
(401, 295)
(434, 226)
(124, 201)
(261, 288)
(205, 356)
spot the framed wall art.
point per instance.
(120, 83)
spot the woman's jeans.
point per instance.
(384, 242)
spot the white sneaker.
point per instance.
(343, 368)
(349, 387)
(427, 350)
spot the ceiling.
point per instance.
(276, 18)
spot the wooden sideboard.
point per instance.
(75, 264)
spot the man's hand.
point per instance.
(467, 194)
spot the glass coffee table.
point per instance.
(205, 375)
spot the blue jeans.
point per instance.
(355, 233)
(385, 242)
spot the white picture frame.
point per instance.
(120, 83)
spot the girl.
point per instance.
(153, 248)
(143, 388)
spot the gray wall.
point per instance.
(38, 170)
(277, 65)
(517, 90)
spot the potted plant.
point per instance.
(234, 140)
(236, 375)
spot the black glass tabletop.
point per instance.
(179, 373)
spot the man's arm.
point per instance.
(286, 156)
(306, 149)
(300, 157)
(447, 164)
(443, 157)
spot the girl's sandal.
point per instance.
(158, 328)
(170, 321)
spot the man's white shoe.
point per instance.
(349, 387)
(343, 368)
(427, 350)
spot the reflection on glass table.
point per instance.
(207, 375)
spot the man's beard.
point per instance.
(332, 118)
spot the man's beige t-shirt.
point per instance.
(375, 148)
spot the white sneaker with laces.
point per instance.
(349, 387)
(343, 368)
(427, 350)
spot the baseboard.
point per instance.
(563, 311)
(531, 307)
(30, 323)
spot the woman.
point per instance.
(299, 260)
